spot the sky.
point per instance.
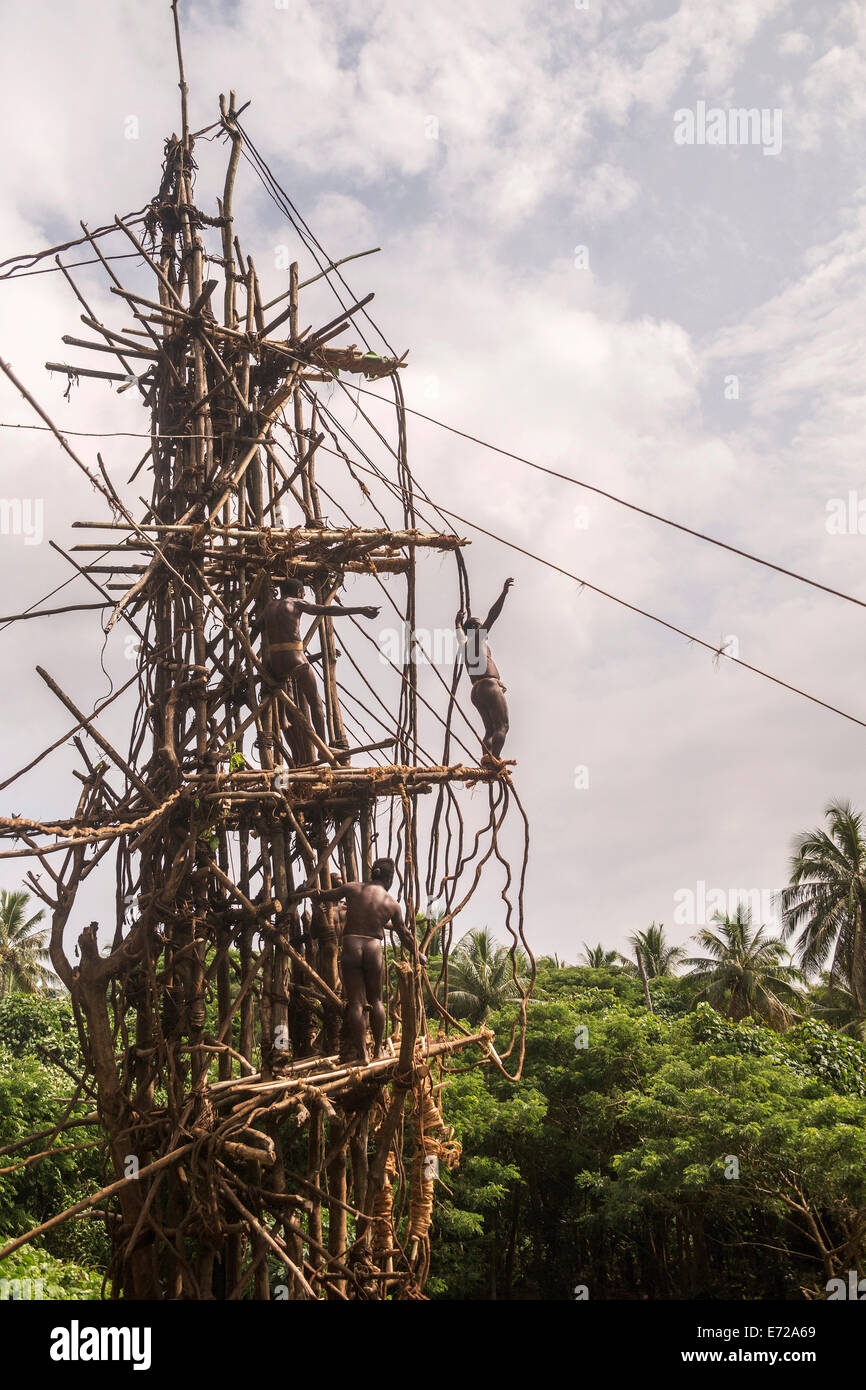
(594, 266)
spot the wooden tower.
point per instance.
(244, 1159)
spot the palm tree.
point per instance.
(598, 958)
(22, 949)
(833, 1002)
(826, 897)
(553, 962)
(423, 923)
(746, 972)
(659, 957)
(480, 976)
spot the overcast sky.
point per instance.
(677, 323)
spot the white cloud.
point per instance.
(544, 116)
(794, 43)
(606, 192)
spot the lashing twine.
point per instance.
(433, 1139)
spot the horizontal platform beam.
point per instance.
(295, 788)
(296, 538)
(333, 1076)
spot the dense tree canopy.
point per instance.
(705, 1139)
(38, 1050)
(670, 1156)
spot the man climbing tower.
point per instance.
(284, 651)
(488, 692)
(370, 910)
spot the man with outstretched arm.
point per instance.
(284, 651)
(370, 911)
(488, 692)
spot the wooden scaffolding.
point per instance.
(244, 1159)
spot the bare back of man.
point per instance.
(370, 912)
(369, 909)
(284, 648)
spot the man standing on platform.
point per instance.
(285, 657)
(370, 911)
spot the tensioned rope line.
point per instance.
(642, 612)
(622, 502)
(623, 602)
(271, 184)
(672, 627)
(116, 434)
(70, 265)
(541, 468)
(631, 506)
(289, 210)
(756, 670)
(50, 594)
(310, 244)
(274, 188)
(769, 564)
(395, 491)
(18, 263)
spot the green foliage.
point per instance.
(23, 954)
(832, 1057)
(811, 1048)
(495, 1127)
(561, 984)
(833, 1001)
(32, 1192)
(237, 761)
(660, 958)
(33, 1273)
(657, 1156)
(31, 1022)
(746, 972)
(826, 899)
(745, 1038)
(597, 957)
(672, 996)
(482, 976)
(210, 837)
